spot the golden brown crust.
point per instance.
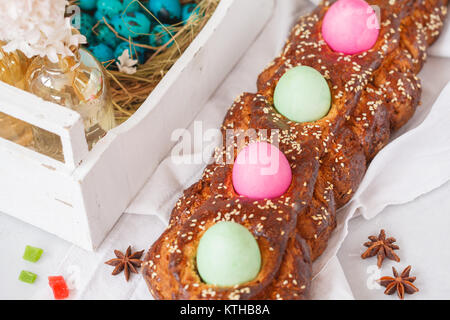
(374, 93)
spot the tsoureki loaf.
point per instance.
(373, 94)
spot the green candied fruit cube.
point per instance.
(27, 276)
(32, 254)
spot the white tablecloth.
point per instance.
(421, 226)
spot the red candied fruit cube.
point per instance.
(59, 287)
(54, 279)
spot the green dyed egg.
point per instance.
(302, 95)
(228, 255)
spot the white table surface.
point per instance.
(421, 228)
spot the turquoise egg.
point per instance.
(106, 35)
(167, 11)
(135, 50)
(188, 10)
(131, 24)
(302, 95)
(88, 4)
(130, 5)
(102, 53)
(228, 255)
(109, 8)
(160, 36)
(86, 23)
(98, 16)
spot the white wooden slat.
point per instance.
(63, 122)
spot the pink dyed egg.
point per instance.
(261, 171)
(350, 26)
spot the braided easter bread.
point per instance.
(373, 94)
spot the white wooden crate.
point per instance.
(80, 200)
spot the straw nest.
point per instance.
(130, 91)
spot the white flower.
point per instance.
(126, 64)
(37, 28)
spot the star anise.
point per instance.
(381, 247)
(126, 262)
(401, 284)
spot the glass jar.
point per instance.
(12, 71)
(77, 82)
